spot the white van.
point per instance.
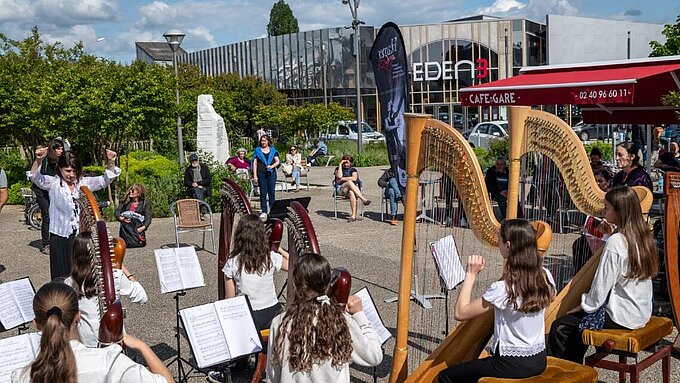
(347, 130)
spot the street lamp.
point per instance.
(323, 70)
(174, 38)
(354, 7)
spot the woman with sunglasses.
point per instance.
(293, 166)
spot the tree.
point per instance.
(672, 45)
(281, 20)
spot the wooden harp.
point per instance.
(671, 230)
(455, 158)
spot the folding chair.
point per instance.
(340, 198)
(186, 216)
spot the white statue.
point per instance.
(211, 135)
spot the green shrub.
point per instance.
(605, 148)
(374, 154)
(15, 197)
(483, 157)
(15, 168)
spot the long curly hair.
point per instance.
(55, 306)
(141, 193)
(632, 226)
(315, 332)
(528, 288)
(83, 278)
(251, 245)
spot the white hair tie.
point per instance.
(323, 299)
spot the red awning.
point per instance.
(627, 91)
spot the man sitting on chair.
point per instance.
(320, 150)
(197, 179)
(388, 181)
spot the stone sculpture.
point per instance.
(211, 135)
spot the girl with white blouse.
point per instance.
(64, 190)
(622, 286)
(62, 358)
(518, 300)
(83, 281)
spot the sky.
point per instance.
(110, 28)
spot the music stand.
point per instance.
(421, 299)
(280, 207)
(182, 376)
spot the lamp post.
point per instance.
(174, 38)
(323, 70)
(354, 7)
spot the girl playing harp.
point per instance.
(518, 300)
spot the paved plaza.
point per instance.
(368, 248)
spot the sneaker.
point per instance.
(394, 221)
(263, 217)
(216, 377)
(46, 250)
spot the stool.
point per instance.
(557, 370)
(261, 359)
(628, 343)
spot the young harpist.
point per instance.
(518, 301)
(314, 340)
(62, 358)
(83, 281)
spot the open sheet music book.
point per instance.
(16, 303)
(178, 269)
(221, 331)
(446, 256)
(16, 353)
(372, 314)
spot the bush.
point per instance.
(15, 197)
(374, 154)
(15, 167)
(605, 148)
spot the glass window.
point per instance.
(342, 129)
(495, 131)
(483, 129)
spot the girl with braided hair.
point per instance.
(63, 359)
(314, 340)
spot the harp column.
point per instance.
(517, 115)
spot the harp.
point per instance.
(436, 145)
(671, 230)
(301, 239)
(235, 202)
(548, 135)
(110, 307)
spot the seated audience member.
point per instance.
(320, 150)
(293, 166)
(596, 162)
(496, 180)
(631, 174)
(84, 281)
(4, 194)
(197, 179)
(63, 358)
(669, 160)
(239, 163)
(620, 296)
(348, 184)
(314, 341)
(134, 214)
(388, 181)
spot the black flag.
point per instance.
(388, 58)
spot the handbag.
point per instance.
(287, 169)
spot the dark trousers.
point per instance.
(44, 204)
(510, 367)
(61, 250)
(502, 205)
(564, 339)
(267, 185)
(198, 193)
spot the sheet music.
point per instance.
(169, 273)
(446, 256)
(16, 353)
(238, 326)
(372, 314)
(205, 335)
(192, 275)
(16, 302)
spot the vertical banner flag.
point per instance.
(388, 58)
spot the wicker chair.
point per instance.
(186, 215)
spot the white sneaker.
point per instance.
(263, 217)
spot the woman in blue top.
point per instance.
(265, 161)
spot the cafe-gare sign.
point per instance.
(447, 70)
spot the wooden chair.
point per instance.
(628, 343)
(261, 359)
(186, 215)
(558, 370)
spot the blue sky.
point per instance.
(109, 28)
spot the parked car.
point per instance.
(594, 131)
(483, 133)
(347, 130)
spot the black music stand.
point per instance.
(182, 376)
(280, 207)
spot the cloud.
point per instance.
(202, 33)
(74, 34)
(15, 10)
(632, 12)
(500, 7)
(532, 9)
(74, 12)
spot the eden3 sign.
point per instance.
(447, 70)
